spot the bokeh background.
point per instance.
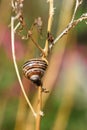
(65, 106)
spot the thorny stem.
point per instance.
(38, 119)
(51, 13)
(15, 65)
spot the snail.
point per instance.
(34, 70)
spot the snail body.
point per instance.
(34, 70)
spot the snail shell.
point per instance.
(34, 70)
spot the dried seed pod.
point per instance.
(34, 70)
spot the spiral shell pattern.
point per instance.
(34, 70)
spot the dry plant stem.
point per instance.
(17, 7)
(38, 119)
(16, 26)
(50, 19)
(15, 64)
(37, 45)
(73, 22)
(70, 26)
(78, 3)
(51, 12)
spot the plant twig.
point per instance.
(17, 7)
(16, 26)
(15, 64)
(37, 45)
(72, 23)
(50, 19)
(78, 3)
(70, 26)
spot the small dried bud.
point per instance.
(29, 33)
(38, 22)
(50, 37)
(17, 6)
(21, 20)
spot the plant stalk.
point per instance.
(50, 20)
(38, 118)
(15, 64)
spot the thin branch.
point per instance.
(36, 44)
(17, 7)
(70, 26)
(16, 27)
(72, 23)
(50, 20)
(15, 65)
(78, 3)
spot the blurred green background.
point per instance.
(65, 106)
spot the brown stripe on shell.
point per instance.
(34, 70)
